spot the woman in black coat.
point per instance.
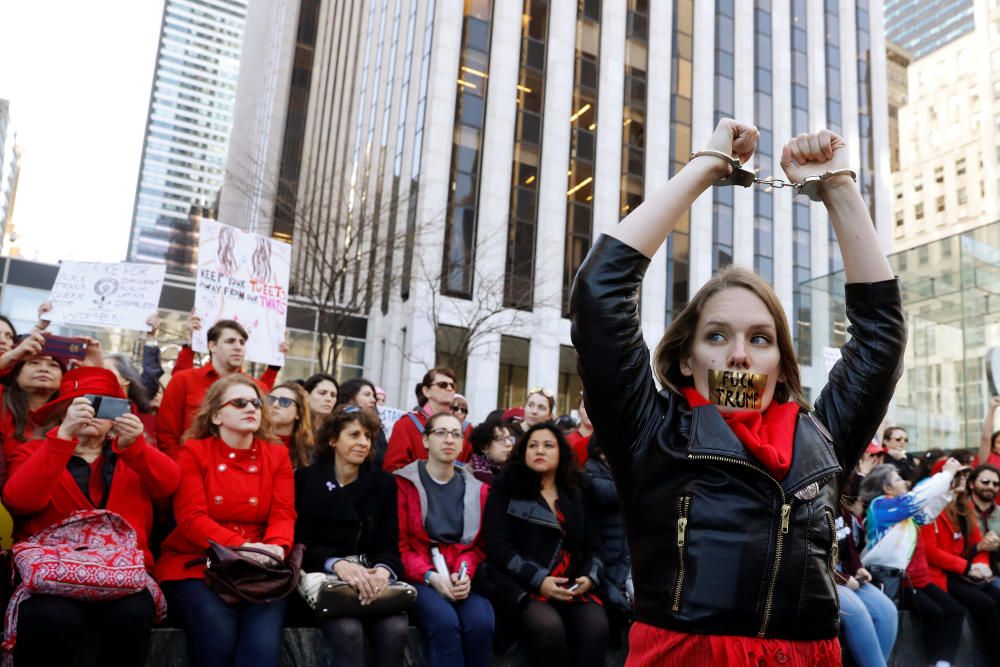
(540, 547)
(613, 549)
(347, 507)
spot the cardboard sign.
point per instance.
(120, 295)
(243, 277)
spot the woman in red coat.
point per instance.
(237, 488)
(959, 563)
(84, 463)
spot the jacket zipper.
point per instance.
(683, 506)
(834, 550)
(786, 511)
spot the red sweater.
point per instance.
(232, 496)
(406, 444)
(41, 492)
(415, 544)
(948, 551)
(181, 401)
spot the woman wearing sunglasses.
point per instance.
(729, 479)
(237, 488)
(291, 418)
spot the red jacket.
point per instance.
(415, 544)
(185, 361)
(948, 551)
(181, 401)
(40, 491)
(406, 444)
(11, 441)
(232, 496)
(579, 444)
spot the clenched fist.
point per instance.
(813, 155)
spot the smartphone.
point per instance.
(463, 571)
(574, 588)
(108, 407)
(63, 348)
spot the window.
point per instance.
(963, 196)
(899, 218)
(939, 174)
(940, 203)
(918, 212)
(918, 184)
(960, 166)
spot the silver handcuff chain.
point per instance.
(746, 178)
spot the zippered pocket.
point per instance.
(683, 509)
(834, 550)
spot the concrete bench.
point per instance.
(305, 647)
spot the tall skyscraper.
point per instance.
(10, 166)
(923, 26)
(470, 157)
(188, 127)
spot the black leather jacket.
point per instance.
(718, 545)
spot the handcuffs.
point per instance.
(809, 187)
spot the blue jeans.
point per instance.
(459, 633)
(219, 634)
(870, 622)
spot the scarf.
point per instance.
(767, 435)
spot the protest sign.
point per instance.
(243, 277)
(120, 295)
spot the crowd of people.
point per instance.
(716, 533)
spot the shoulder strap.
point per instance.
(416, 422)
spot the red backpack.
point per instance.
(90, 555)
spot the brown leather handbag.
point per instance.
(237, 578)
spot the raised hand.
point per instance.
(128, 428)
(79, 414)
(734, 138)
(813, 155)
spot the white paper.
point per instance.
(120, 295)
(831, 355)
(243, 277)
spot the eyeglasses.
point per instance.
(281, 401)
(460, 408)
(444, 384)
(543, 391)
(444, 433)
(240, 403)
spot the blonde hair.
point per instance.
(678, 338)
(202, 426)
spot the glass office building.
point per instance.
(951, 296)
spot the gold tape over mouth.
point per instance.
(742, 390)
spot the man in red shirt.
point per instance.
(184, 394)
(406, 444)
(580, 438)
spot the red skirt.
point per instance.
(650, 646)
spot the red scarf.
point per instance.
(768, 435)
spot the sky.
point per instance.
(77, 75)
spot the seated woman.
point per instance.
(539, 407)
(440, 509)
(323, 392)
(237, 488)
(346, 508)
(292, 421)
(32, 380)
(360, 393)
(83, 463)
(541, 538)
(960, 564)
(491, 447)
(895, 544)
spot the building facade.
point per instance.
(468, 154)
(923, 26)
(187, 130)
(948, 178)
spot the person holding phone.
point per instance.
(542, 553)
(237, 488)
(720, 488)
(83, 462)
(440, 512)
